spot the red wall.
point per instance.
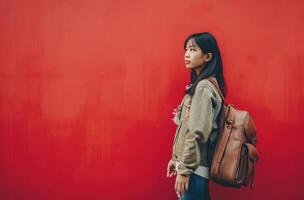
(88, 89)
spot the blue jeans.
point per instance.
(198, 189)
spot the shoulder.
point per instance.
(205, 84)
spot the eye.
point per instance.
(191, 49)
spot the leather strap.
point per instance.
(214, 82)
(224, 140)
(231, 114)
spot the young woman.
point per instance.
(197, 118)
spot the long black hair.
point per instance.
(207, 43)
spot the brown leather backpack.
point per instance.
(235, 154)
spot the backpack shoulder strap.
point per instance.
(214, 82)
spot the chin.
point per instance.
(188, 67)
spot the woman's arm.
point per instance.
(201, 117)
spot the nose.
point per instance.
(187, 55)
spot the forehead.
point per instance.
(191, 42)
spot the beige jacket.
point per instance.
(195, 125)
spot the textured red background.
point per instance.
(88, 89)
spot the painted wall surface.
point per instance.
(88, 89)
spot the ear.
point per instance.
(208, 57)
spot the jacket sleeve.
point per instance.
(201, 116)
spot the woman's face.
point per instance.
(194, 56)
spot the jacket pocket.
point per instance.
(180, 138)
(176, 134)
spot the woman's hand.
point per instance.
(181, 184)
(171, 169)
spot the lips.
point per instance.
(187, 62)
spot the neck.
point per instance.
(198, 70)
